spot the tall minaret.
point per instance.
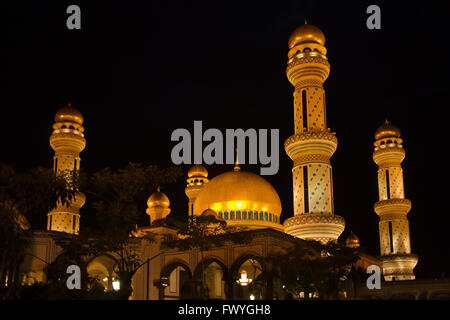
(197, 178)
(68, 141)
(312, 145)
(395, 248)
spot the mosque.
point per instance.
(245, 199)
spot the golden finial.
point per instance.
(158, 189)
(236, 162)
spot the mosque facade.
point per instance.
(245, 199)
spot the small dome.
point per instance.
(69, 114)
(209, 212)
(387, 130)
(197, 171)
(306, 33)
(158, 198)
(352, 240)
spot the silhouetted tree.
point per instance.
(311, 269)
(26, 195)
(117, 199)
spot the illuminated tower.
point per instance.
(312, 145)
(158, 206)
(197, 179)
(68, 141)
(395, 249)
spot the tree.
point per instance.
(25, 195)
(203, 233)
(311, 269)
(115, 200)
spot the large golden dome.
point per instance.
(306, 33)
(238, 190)
(69, 114)
(387, 130)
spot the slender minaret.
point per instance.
(68, 141)
(197, 179)
(395, 248)
(312, 145)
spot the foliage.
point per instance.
(118, 197)
(311, 268)
(25, 194)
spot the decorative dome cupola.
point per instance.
(158, 206)
(352, 241)
(307, 40)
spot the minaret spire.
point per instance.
(67, 140)
(395, 249)
(312, 145)
(236, 162)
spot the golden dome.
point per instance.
(238, 190)
(387, 130)
(352, 240)
(197, 171)
(69, 114)
(306, 33)
(158, 198)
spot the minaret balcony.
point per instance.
(314, 143)
(392, 209)
(311, 67)
(388, 155)
(319, 227)
(67, 141)
(399, 266)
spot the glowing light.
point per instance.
(244, 281)
(217, 206)
(252, 297)
(236, 205)
(105, 279)
(116, 285)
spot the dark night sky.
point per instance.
(139, 71)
